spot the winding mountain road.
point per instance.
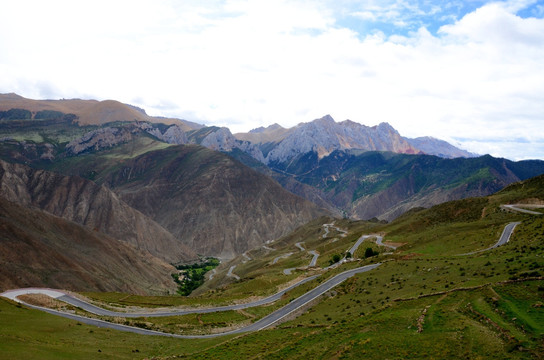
(327, 230)
(379, 241)
(263, 323)
(231, 274)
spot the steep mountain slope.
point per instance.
(214, 204)
(384, 185)
(424, 300)
(104, 150)
(84, 202)
(530, 191)
(39, 249)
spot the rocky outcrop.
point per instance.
(223, 140)
(108, 137)
(174, 134)
(86, 203)
(220, 140)
(271, 134)
(99, 139)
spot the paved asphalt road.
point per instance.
(258, 325)
(12, 294)
(379, 241)
(505, 237)
(356, 245)
(506, 233)
(315, 255)
(516, 207)
(281, 257)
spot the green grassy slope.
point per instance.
(424, 301)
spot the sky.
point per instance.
(469, 72)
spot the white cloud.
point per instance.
(245, 64)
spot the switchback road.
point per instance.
(263, 323)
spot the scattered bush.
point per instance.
(369, 252)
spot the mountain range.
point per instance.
(196, 190)
(102, 198)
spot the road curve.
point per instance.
(505, 237)
(379, 241)
(69, 299)
(315, 255)
(516, 207)
(230, 274)
(263, 323)
(284, 256)
(357, 244)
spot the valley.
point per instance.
(265, 322)
(333, 240)
(456, 290)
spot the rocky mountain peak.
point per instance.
(269, 128)
(385, 126)
(324, 135)
(326, 120)
(220, 140)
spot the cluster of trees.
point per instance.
(191, 276)
(369, 252)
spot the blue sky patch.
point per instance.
(400, 17)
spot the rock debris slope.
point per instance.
(40, 249)
(82, 201)
(214, 204)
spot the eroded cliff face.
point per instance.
(109, 137)
(86, 203)
(43, 250)
(216, 205)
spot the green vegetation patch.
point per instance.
(192, 276)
